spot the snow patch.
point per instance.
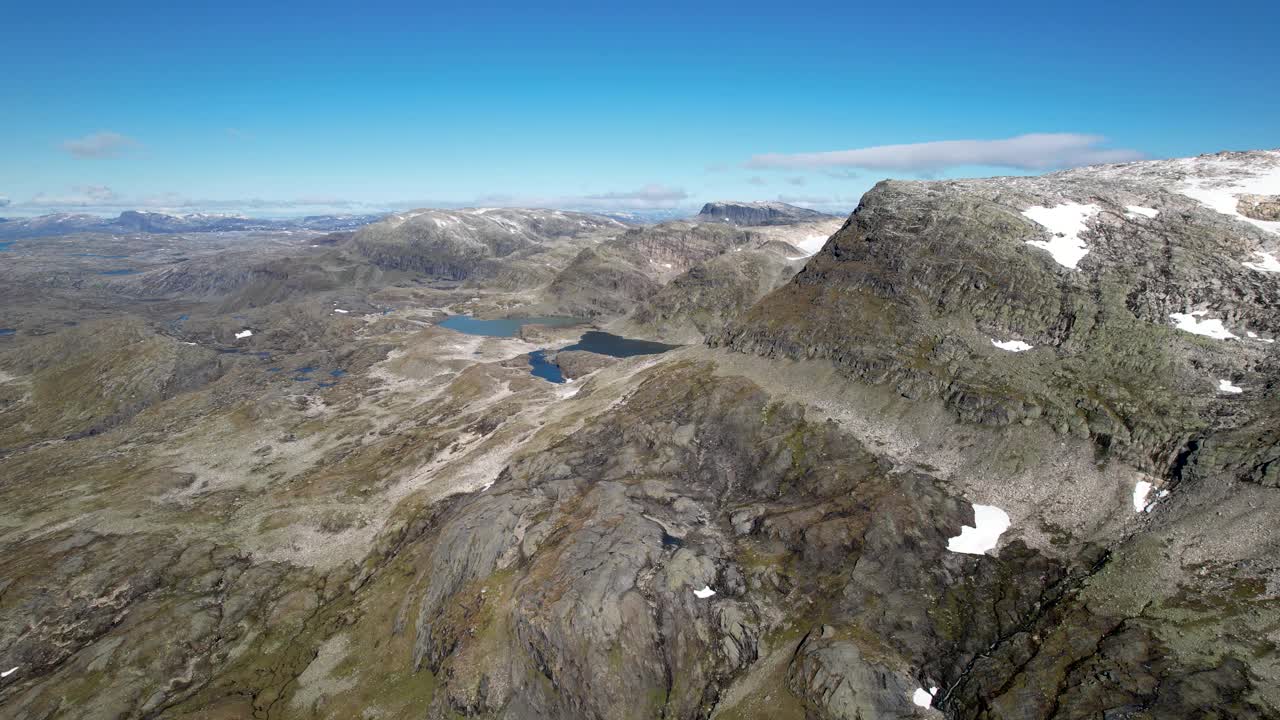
(1012, 345)
(1220, 191)
(990, 522)
(1269, 262)
(9, 672)
(811, 244)
(1066, 222)
(1136, 210)
(1140, 492)
(1225, 386)
(1209, 327)
(924, 698)
(244, 334)
(341, 311)
(704, 593)
(1254, 336)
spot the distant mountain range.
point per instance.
(139, 221)
(136, 221)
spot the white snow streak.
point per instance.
(9, 672)
(244, 334)
(1065, 222)
(1269, 262)
(1135, 210)
(1011, 345)
(704, 593)
(1225, 386)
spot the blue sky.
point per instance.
(315, 107)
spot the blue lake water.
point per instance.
(306, 369)
(121, 271)
(5, 245)
(7, 331)
(604, 343)
(543, 369)
(595, 341)
(502, 327)
(326, 384)
(337, 373)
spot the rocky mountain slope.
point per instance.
(757, 213)
(456, 244)
(1000, 449)
(678, 280)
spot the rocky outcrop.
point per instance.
(577, 363)
(1260, 207)
(757, 213)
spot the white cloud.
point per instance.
(1038, 151)
(99, 145)
(4, 201)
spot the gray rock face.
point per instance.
(757, 213)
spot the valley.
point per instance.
(531, 463)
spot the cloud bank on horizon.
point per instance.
(1034, 152)
(1030, 152)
